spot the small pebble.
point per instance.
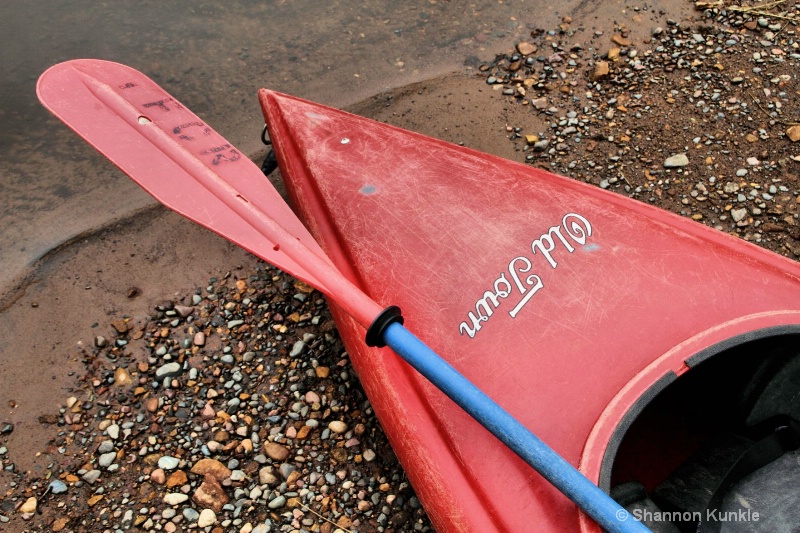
(106, 459)
(175, 498)
(57, 486)
(207, 518)
(676, 161)
(338, 426)
(168, 463)
(277, 503)
(91, 476)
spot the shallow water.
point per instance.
(213, 56)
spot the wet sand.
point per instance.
(214, 59)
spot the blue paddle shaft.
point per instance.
(565, 477)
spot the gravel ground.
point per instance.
(701, 119)
(234, 408)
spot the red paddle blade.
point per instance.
(183, 163)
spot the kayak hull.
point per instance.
(571, 306)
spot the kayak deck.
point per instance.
(570, 306)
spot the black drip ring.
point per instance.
(375, 332)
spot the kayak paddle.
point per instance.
(177, 158)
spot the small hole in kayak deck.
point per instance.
(276, 247)
(144, 120)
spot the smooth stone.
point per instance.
(286, 470)
(158, 476)
(105, 447)
(540, 103)
(277, 503)
(275, 451)
(91, 476)
(267, 477)
(312, 397)
(57, 486)
(151, 404)
(113, 431)
(541, 146)
(337, 426)
(675, 161)
(107, 459)
(29, 507)
(207, 518)
(168, 463)
(175, 498)
(738, 214)
(297, 348)
(208, 412)
(190, 514)
(526, 48)
(169, 370)
(183, 310)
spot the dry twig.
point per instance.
(763, 10)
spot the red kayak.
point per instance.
(655, 355)
(627, 338)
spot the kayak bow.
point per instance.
(187, 166)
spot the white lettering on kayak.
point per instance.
(574, 228)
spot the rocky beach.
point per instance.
(180, 384)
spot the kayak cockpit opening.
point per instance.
(717, 446)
